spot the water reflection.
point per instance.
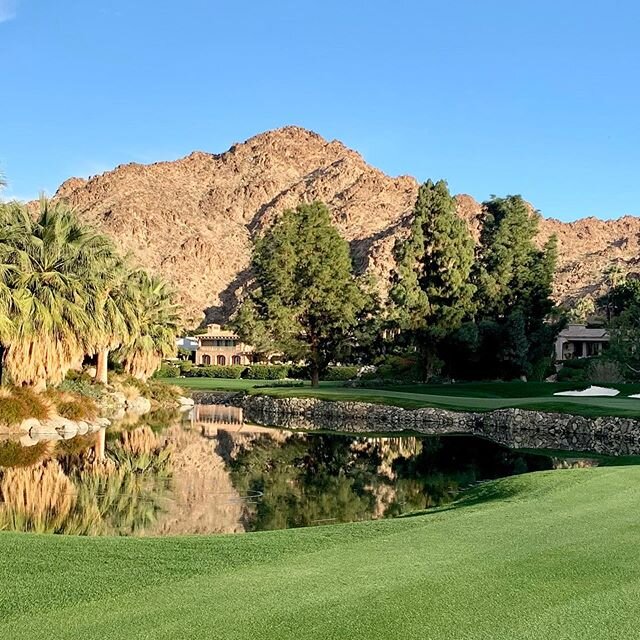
(212, 473)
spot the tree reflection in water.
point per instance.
(323, 478)
(76, 493)
(212, 476)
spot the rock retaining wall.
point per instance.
(513, 428)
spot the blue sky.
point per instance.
(538, 97)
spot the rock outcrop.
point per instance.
(513, 428)
(193, 220)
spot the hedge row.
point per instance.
(251, 372)
(266, 372)
(216, 371)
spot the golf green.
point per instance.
(546, 555)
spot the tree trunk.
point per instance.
(101, 368)
(315, 374)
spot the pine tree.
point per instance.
(307, 302)
(431, 290)
(513, 276)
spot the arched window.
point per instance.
(236, 360)
(206, 359)
(222, 360)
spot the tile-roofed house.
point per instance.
(219, 346)
(580, 341)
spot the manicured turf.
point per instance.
(548, 555)
(214, 384)
(486, 396)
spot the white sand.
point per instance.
(591, 391)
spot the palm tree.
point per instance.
(114, 306)
(53, 262)
(156, 327)
(6, 298)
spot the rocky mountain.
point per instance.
(193, 220)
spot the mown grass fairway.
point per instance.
(481, 396)
(547, 555)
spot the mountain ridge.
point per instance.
(193, 220)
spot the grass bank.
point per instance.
(482, 396)
(547, 555)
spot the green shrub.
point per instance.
(341, 373)
(280, 384)
(185, 367)
(216, 371)
(167, 370)
(577, 363)
(266, 372)
(82, 385)
(541, 370)
(75, 410)
(19, 403)
(572, 374)
(404, 367)
(163, 393)
(123, 380)
(72, 406)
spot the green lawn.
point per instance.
(485, 396)
(547, 555)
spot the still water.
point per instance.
(210, 472)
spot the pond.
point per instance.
(210, 472)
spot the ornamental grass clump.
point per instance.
(19, 403)
(71, 406)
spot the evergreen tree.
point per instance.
(620, 297)
(307, 303)
(625, 337)
(515, 280)
(431, 290)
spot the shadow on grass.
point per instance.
(483, 493)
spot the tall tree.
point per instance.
(513, 276)
(8, 309)
(307, 301)
(431, 289)
(156, 326)
(52, 259)
(510, 268)
(621, 292)
(115, 306)
(625, 338)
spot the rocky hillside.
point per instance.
(193, 220)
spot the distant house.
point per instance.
(188, 343)
(580, 341)
(222, 347)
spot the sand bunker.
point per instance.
(591, 391)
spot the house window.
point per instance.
(222, 360)
(206, 359)
(236, 360)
